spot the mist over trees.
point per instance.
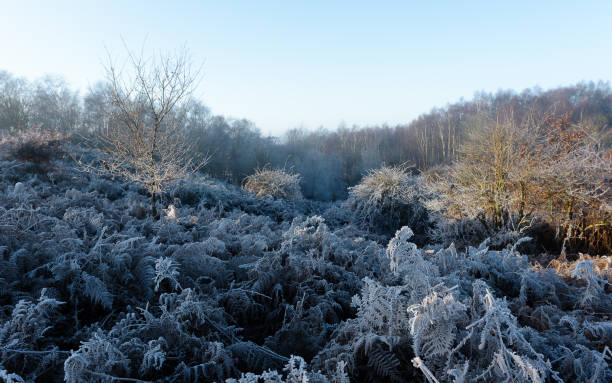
(448, 145)
(328, 161)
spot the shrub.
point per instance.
(275, 183)
(387, 199)
(36, 147)
(508, 176)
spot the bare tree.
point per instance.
(145, 141)
(14, 106)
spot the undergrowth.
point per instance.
(226, 286)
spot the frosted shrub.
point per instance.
(34, 145)
(387, 199)
(35, 150)
(275, 183)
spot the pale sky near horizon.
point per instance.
(284, 64)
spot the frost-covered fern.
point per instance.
(433, 324)
(229, 286)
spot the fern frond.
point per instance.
(96, 290)
(433, 324)
(166, 269)
(384, 362)
(154, 356)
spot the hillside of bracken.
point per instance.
(471, 245)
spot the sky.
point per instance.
(287, 64)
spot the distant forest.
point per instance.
(328, 161)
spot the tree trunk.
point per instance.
(523, 201)
(154, 206)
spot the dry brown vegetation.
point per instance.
(545, 169)
(602, 265)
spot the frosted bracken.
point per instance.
(226, 286)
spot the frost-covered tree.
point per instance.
(146, 142)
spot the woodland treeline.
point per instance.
(501, 160)
(327, 160)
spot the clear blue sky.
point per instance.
(284, 64)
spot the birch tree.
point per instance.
(145, 143)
